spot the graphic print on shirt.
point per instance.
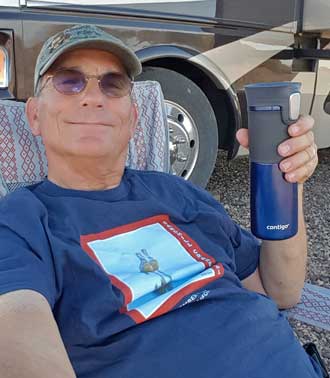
(153, 263)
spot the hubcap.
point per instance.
(184, 141)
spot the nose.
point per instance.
(92, 95)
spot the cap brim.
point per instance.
(127, 57)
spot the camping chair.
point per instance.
(23, 162)
(23, 159)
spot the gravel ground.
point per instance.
(230, 185)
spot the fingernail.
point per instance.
(291, 176)
(294, 129)
(286, 165)
(284, 149)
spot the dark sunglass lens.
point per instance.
(115, 84)
(69, 81)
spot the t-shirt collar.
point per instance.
(49, 188)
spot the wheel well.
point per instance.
(218, 97)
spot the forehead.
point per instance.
(87, 58)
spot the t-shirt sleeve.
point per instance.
(25, 261)
(247, 251)
(246, 246)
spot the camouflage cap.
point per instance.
(84, 36)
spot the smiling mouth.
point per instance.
(89, 123)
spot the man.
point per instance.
(75, 302)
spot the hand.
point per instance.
(299, 151)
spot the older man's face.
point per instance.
(88, 124)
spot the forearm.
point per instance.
(283, 263)
(30, 344)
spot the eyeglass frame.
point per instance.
(87, 78)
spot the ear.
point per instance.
(135, 118)
(32, 115)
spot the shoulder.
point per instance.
(21, 204)
(165, 185)
(18, 195)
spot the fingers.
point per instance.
(299, 167)
(301, 136)
(296, 144)
(300, 151)
(303, 173)
(302, 126)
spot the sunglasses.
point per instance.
(72, 81)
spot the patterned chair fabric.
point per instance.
(23, 159)
(314, 307)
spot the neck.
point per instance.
(86, 173)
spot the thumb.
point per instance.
(243, 137)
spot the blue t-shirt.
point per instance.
(144, 281)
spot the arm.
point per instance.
(30, 343)
(282, 265)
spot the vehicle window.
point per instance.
(3, 68)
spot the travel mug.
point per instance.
(272, 107)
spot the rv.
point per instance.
(203, 53)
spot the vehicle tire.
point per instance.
(192, 124)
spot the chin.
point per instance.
(96, 148)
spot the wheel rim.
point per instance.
(184, 140)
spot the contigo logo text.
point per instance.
(278, 227)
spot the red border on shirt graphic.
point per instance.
(214, 268)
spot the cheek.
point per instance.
(128, 119)
(50, 117)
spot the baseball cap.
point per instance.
(80, 36)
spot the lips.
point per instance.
(89, 123)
